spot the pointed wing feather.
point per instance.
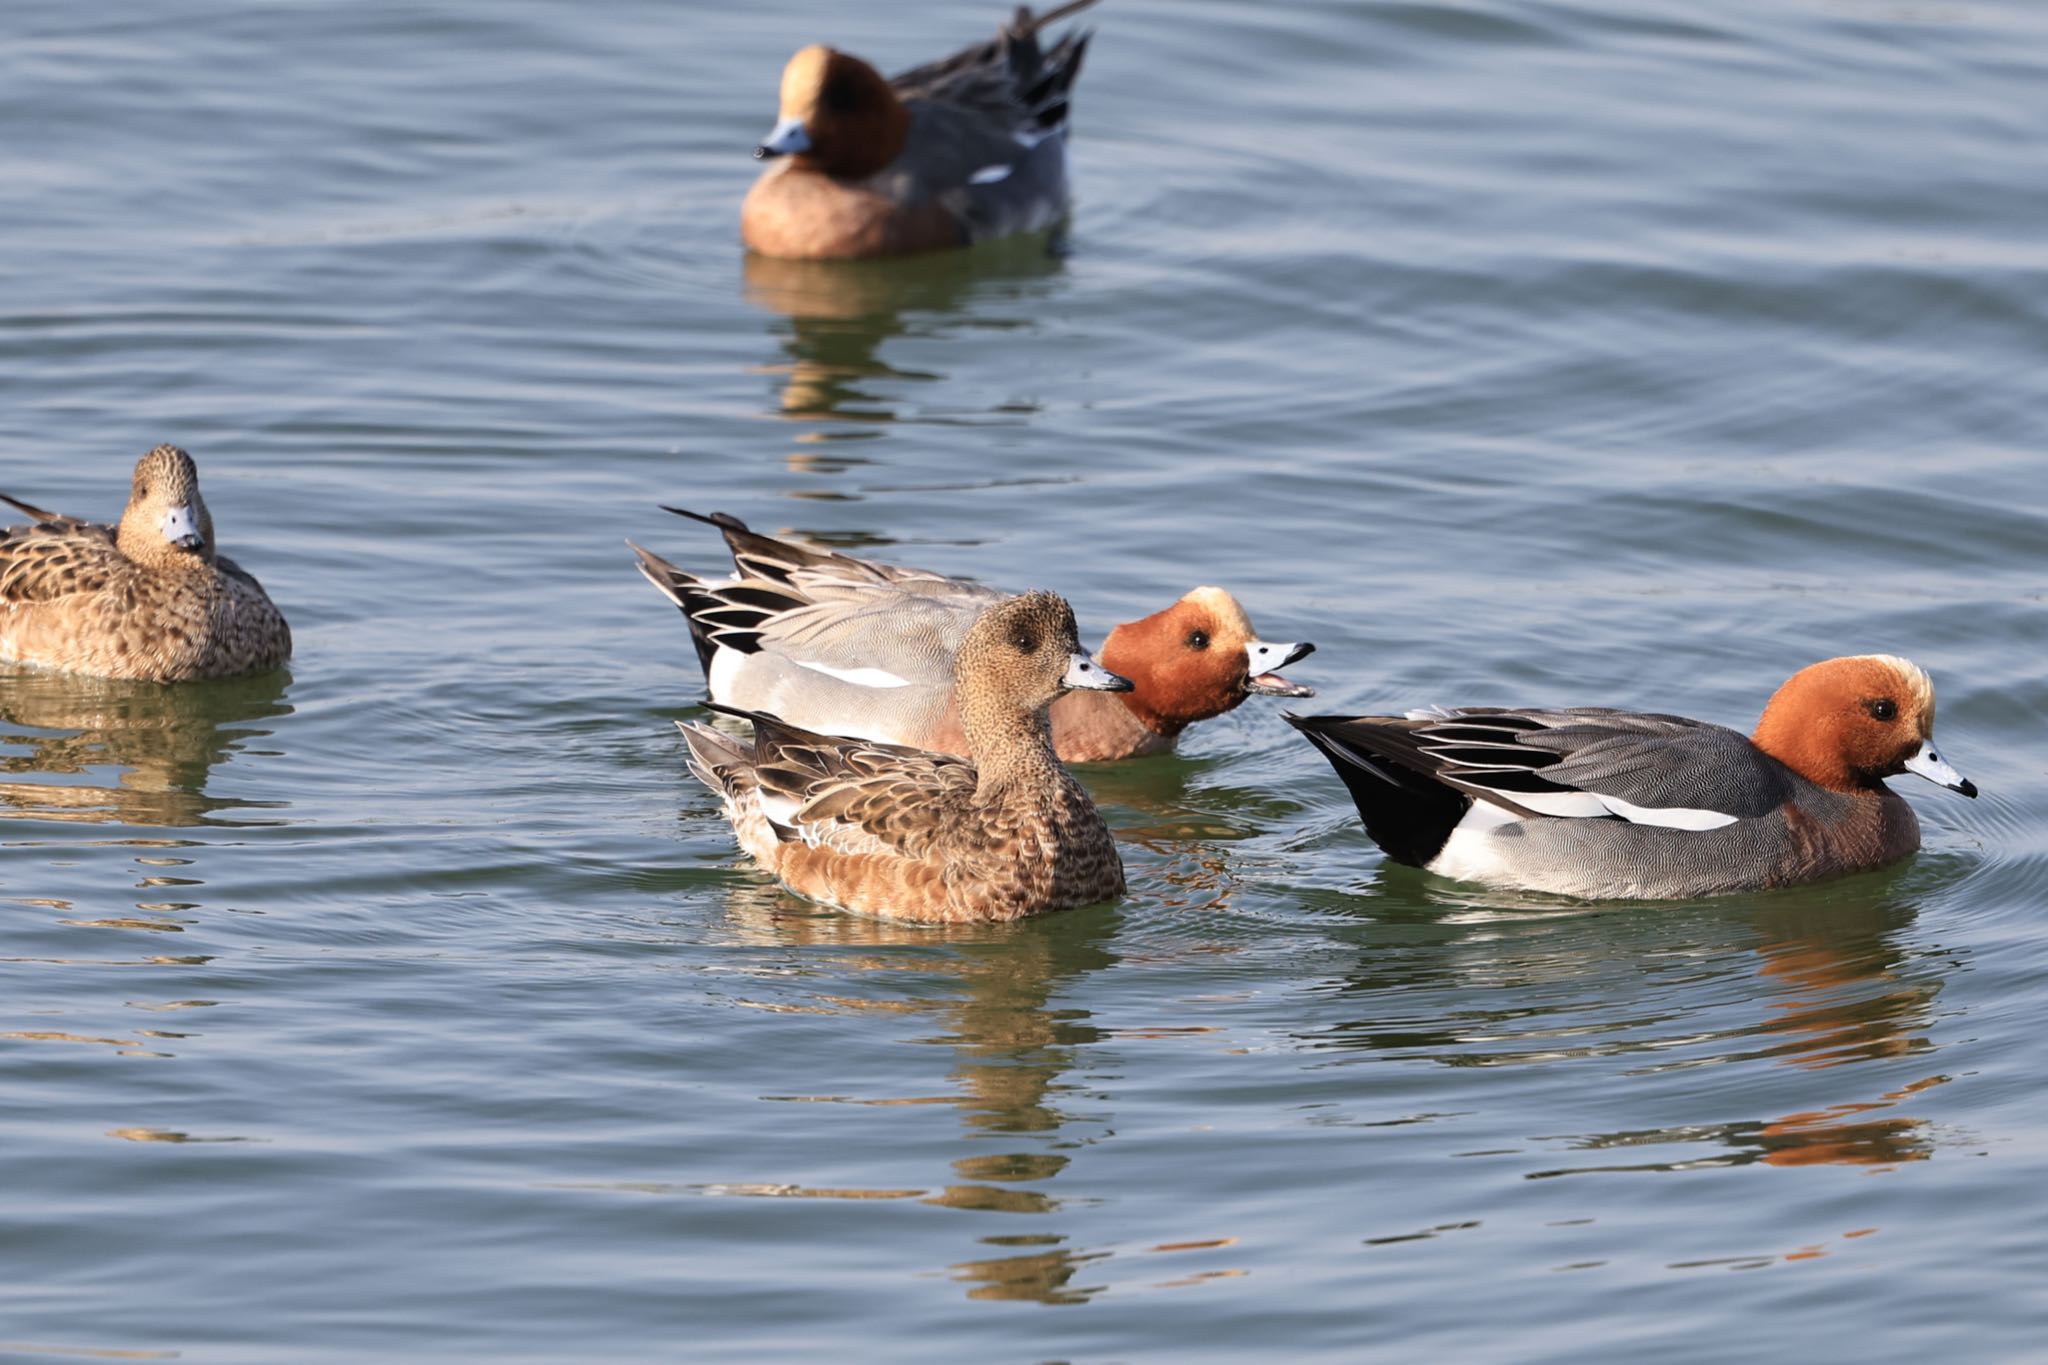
(1595, 762)
(1585, 763)
(775, 560)
(988, 129)
(853, 795)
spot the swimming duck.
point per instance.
(961, 150)
(148, 598)
(1598, 803)
(910, 834)
(854, 647)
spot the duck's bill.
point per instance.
(1084, 673)
(1932, 766)
(181, 528)
(786, 138)
(1266, 660)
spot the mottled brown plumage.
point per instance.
(903, 832)
(148, 598)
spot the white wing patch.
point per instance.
(859, 677)
(1668, 817)
(1592, 805)
(989, 175)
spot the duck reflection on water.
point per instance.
(100, 751)
(840, 314)
(1814, 983)
(992, 992)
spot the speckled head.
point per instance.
(166, 523)
(1022, 653)
(1197, 659)
(838, 115)
(1849, 723)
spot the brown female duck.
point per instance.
(915, 835)
(148, 598)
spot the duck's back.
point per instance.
(988, 132)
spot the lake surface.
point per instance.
(416, 1004)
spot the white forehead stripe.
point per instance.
(1915, 677)
(1229, 615)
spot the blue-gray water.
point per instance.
(416, 1005)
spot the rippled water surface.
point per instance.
(416, 1004)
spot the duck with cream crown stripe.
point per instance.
(961, 150)
(149, 598)
(852, 647)
(1603, 804)
(915, 835)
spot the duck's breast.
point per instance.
(800, 214)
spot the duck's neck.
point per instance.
(1090, 727)
(1010, 748)
(164, 558)
(1805, 752)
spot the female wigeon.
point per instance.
(961, 150)
(910, 834)
(149, 598)
(1598, 803)
(852, 647)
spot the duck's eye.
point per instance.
(141, 490)
(1882, 708)
(1026, 642)
(1198, 639)
(841, 95)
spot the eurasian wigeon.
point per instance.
(910, 834)
(1599, 804)
(148, 598)
(961, 150)
(852, 647)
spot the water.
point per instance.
(416, 1004)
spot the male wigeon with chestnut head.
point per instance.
(852, 647)
(961, 150)
(1603, 804)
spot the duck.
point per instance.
(1600, 804)
(910, 834)
(965, 149)
(149, 598)
(854, 647)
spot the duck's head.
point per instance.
(166, 522)
(1198, 658)
(1847, 724)
(1023, 653)
(838, 115)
